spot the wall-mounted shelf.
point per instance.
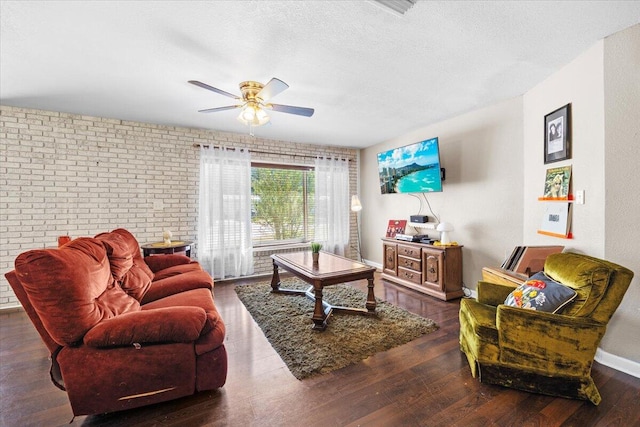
(424, 225)
(569, 199)
(560, 236)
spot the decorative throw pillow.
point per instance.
(541, 293)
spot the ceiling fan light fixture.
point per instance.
(262, 116)
(255, 96)
(253, 115)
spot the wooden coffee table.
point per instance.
(330, 270)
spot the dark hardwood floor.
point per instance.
(426, 382)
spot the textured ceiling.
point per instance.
(370, 74)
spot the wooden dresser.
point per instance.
(433, 270)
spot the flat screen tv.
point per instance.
(413, 168)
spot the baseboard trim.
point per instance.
(372, 264)
(618, 363)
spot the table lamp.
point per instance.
(444, 228)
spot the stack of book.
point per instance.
(529, 259)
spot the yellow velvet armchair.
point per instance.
(540, 351)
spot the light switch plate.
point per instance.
(580, 197)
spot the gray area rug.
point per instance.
(286, 322)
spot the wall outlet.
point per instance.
(580, 197)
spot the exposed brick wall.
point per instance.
(79, 175)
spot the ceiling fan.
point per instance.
(254, 101)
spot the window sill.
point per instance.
(278, 248)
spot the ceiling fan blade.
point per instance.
(271, 89)
(213, 110)
(213, 89)
(300, 111)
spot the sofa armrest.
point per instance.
(547, 342)
(160, 262)
(492, 293)
(171, 324)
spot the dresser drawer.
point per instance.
(410, 275)
(410, 263)
(409, 251)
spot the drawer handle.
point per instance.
(432, 270)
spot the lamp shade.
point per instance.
(252, 114)
(444, 228)
(356, 206)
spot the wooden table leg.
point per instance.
(371, 298)
(319, 318)
(275, 279)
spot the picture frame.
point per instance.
(557, 135)
(396, 226)
(557, 183)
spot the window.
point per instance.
(282, 199)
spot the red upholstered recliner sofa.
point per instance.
(123, 331)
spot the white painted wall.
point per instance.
(482, 195)
(622, 177)
(581, 84)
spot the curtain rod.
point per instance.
(306, 156)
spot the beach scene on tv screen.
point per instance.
(414, 168)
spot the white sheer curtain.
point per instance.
(224, 218)
(332, 204)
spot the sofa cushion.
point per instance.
(118, 252)
(179, 283)
(71, 288)
(162, 262)
(213, 331)
(171, 324)
(541, 293)
(137, 278)
(175, 270)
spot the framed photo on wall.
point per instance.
(557, 135)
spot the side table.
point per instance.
(503, 277)
(161, 248)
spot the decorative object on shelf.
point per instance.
(63, 240)
(557, 183)
(556, 221)
(356, 207)
(529, 260)
(315, 251)
(396, 226)
(438, 243)
(444, 228)
(166, 237)
(557, 135)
